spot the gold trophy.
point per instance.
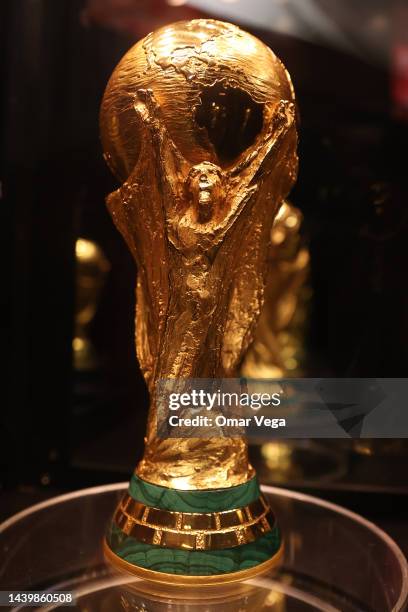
(198, 124)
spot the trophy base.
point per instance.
(190, 537)
(165, 578)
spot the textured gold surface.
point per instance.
(195, 531)
(180, 579)
(198, 121)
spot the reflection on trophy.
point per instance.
(91, 270)
(198, 123)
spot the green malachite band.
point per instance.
(194, 562)
(211, 500)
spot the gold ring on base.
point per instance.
(187, 580)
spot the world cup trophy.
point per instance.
(198, 124)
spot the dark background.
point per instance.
(64, 430)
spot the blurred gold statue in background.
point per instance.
(92, 268)
(277, 350)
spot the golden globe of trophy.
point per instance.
(198, 124)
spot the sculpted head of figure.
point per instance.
(198, 124)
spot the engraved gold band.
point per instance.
(210, 521)
(194, 531)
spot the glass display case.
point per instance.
(333, 560)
